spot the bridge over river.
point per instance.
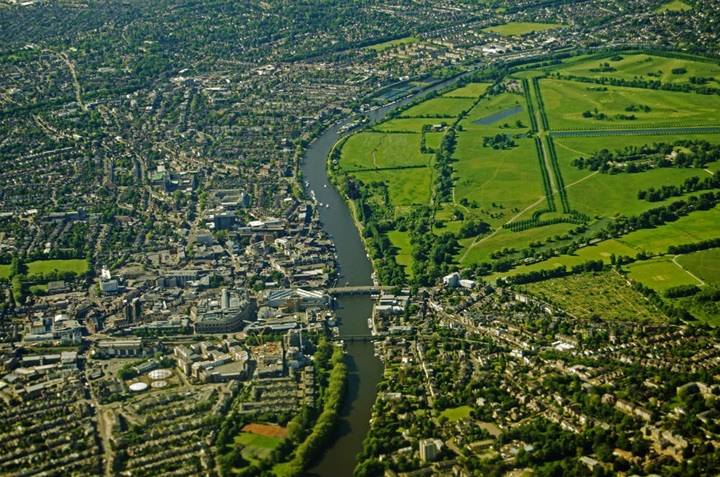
(358, 290)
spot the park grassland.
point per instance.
(660, 273)
(646, 67)
(606, 295)
(456, 413)
(393, 43)
(440, 108)
(522, 28)
(696, 227)
(675, 6)
(599, 251)
(256, 448)
(704, 264)
(44, 266)
(566, 101)
(371, 150)
(411, 125)
(502, 186)
(472, 90)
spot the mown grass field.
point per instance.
(256, 447)
(659, 273)
(704, 264)
(472, 90)
(440, 108)
(606, 295)
(393, 43)
(521, 28)
(646, 67)
(45, 266)
(371, 150)
(566, 101)
(457, 413)
(407, 186)
(675, 6)
(600, 251)
(405, 124)
(432, 140)
(401, 241)
(693, 228)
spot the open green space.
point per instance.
(393, 43)
(645, 67)
(256, 447)
(371, 150)
(660, 273)
(704, 264)
(45, 266)
(405, 124)
(403, 252)
(522, 28)
(606, 295)
(440, 108)
(599, 251)
(696, 227)
(674, 6)
(5, 271)
(488, 107)
(566, 102)
(432, 140)
(472, 90)
(457, 413)
(407, 186)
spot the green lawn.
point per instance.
(704, 264)
(659, 273)
(698, 226)
(566, 101)
(521, 28)
(432, 140)
(5, 271)
(600, 251)
(457, 413)
(393, 43)
(256, 447)
(401, 240)
(674, 6)
(440, 108)
(407, 186)
(371, 150)
(405, 124)
(45, 266)
(472, 90)
(646, 67)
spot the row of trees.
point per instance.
(691, 184)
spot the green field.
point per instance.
(521, 28)
(393, 43)
(5, 271)
(472, 90)
(371, 150)
(566, 101)
(256, 447)
(606, 295)
(600, 251)
(45, 266)
(407, 186)
(456, 413)
(440, 108)
(646, 67)
(504, 167)
(660, 273)
(704, 264)
(405, 124)
(675, 6)
(698, 226)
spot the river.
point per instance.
(365, 370)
